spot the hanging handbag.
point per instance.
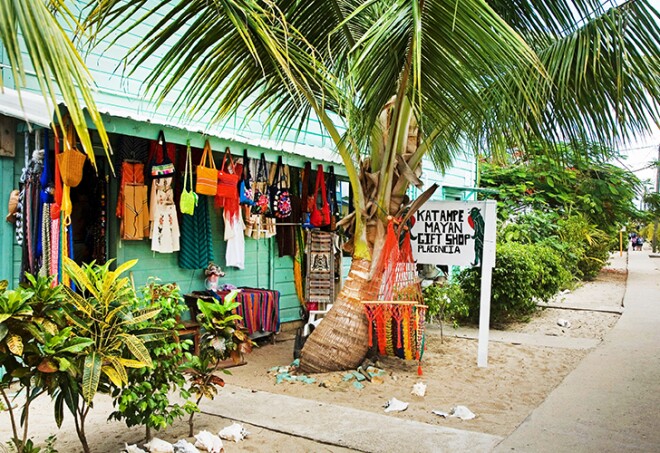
(207, 176)
(71, 162)
(261, 198)
(245, 191)
(188, 197)
(320, 217)
(227, 180)
(281, 202)
(165, 167)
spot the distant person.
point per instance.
(639, 242)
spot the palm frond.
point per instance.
(603, 77)
(58, 67)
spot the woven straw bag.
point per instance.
(207, 177)
(71, 162)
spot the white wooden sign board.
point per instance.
(460, 233)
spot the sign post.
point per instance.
(460, 233)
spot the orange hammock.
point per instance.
(396, 319)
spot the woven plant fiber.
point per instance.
(340, 342)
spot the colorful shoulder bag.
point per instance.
(165, 167)
(227, 180)
(320, 217)
(188, 197)
(245, 187)
(261, 198)
(207, 174)
(281, 197)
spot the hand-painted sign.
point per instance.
(451, 232)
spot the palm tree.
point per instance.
(407, 79)
(60, 71)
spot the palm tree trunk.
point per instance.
(340, 342)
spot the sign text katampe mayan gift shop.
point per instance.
(460, 233)
(451, 233)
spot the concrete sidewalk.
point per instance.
(611, 401)
(342, 426)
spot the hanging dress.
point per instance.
(196, 237)
(234, 227)
(164, 223)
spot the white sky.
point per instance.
(639, 153)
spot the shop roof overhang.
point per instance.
(29, 107)
(203, 131)
(36, 111)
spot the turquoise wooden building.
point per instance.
(126, 112)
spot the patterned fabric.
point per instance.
(135, 220)
(164, 222)
(196, 240)
(259, 309)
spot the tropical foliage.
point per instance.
(146, 401)
(35, 349)
(222, 340)
(103, 312)
(581, 182)
(34, 29)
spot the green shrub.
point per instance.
(588, 244)
(146, 401)
(554, 274)
(514, 287)
(446, 303)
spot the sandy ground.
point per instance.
(519, 377)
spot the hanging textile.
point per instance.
(44, 194)
(196, 238)
(298, 262)
(57, 194)
(164, 222)
(135, 222)
(132, 206)
(234, 235)
(320, 275)
(31, 215)
(259, 309)
(55, 250)
(286, 230)
(46, 235)
(20, 208)
(98, 230)
(396, 317)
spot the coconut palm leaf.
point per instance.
(31, 28)
(603, 65)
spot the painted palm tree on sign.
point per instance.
(408, 79)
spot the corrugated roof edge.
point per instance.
(308, 151)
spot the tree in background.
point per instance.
(583, 182)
